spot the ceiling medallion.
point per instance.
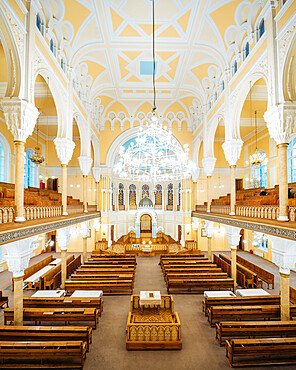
(155, 155)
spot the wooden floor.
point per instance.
(200, 349)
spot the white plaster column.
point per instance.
(85, 165)
(209, 227)
(20, 117)
(63, 239)
(64, 148)
(84, 230)
(17, 257)
(284, 256)
(281, 124)
(97, 176)
(232, 150)
(233, 237)
(208, 166)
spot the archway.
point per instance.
(146, 226)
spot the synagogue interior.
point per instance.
(147, 184)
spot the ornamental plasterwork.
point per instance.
(262, 66)
(232, 149)
(18, 33)
(284, 41)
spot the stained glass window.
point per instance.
(121, 194)
(170, 195)
(158, 195)
(38, 22)
(51, 45)
(132, 195)
(261, 28)
(247, 50)
(145, 191)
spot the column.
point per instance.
(64, 148)
(20, 118)
(233, 237)
(281, 124)
(17, 256)
(232, 150)
(194, 189)
(209, 227)
(63, 239)
(208, 166)
(85, 165)
(284, 256)
(85, 234)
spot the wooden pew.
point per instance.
(229, 313)
(226, 267)
(54, 315)
(238, 301)
(97, 278)
(64, 354)
(264, 275)
(64, 302)
(265, 351)
(108, 287)
(46, 333)
(194, 285)
(255, 329)
(292, 295)
(36, 267)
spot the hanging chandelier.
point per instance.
(155, 155)
(259, 156)
(37, 157)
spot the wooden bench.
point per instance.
(254, 329)
(229, 313)
(71, 354)
(108, 287)
(292, 295)
(198, 285)
(264, 275)
(226, 267)
(54, 315)
(46, 333)
(266, 351)
(238, 301)
(64, 302)
(36, 267)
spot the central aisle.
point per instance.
(200, 348)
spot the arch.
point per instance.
(96, 147)
(148, 211)
(288, 72)
(145, 191)
(120, 194)
(158, 195)
(132, 195)
(85, 140)
(213, 125)
(12, 55)
(232, 130)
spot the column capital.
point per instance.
(97, 223)
(85, 164)
(209, 165)
(195, 174)
(20, 116)
(84, 229)
(281, 121)
(209, 227)
(18, 255)
(64, 148)
(233, 236)
(283, 253)
(232, 150)
(63, 237)
(97, 173)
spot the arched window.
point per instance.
(261, 28)
(292, 161)
(247, 50)
(235, 67)
(145, 191)
(63, 64)
(2, 163)
(30, 170)
(158, 195)
(132, 195)
(170, 195)
(120, 194)
(38, 22)
(51, 45)
(223, 85)
(259, 175)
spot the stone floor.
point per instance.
(200, 349)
